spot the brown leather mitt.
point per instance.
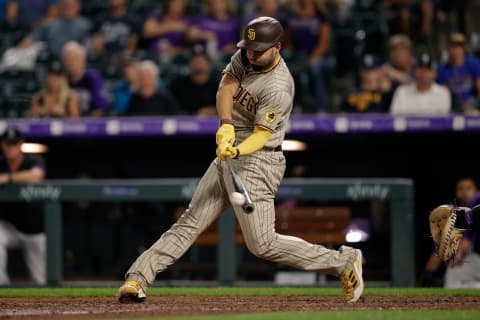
(447, 226)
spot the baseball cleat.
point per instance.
(352, 280)
(131, 292)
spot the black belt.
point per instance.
(276, 149)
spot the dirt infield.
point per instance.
(104, 307)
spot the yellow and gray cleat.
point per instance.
(131, 292)
(352, 280)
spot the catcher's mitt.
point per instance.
(447, 226)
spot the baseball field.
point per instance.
(240, 303)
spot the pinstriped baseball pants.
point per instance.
(261, 173)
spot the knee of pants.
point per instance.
(261, 249)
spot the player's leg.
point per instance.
(7, 240)
(207, 203)
(465, 275)
(261, 174)
(35, 253)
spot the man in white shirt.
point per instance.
(424, 96)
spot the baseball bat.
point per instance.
(239, 187)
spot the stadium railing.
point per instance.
(399, 193)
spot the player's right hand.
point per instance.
(222, 150)
(225, 134)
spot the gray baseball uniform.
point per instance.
(263, 99)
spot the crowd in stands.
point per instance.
(73, 58)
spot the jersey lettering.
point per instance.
(246, 100)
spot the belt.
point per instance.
(274, 149)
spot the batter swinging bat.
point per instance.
(239, 188)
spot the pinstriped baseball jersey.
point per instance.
(264, 98)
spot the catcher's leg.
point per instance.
(207, 203)
(466, 275)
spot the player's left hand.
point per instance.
(226, 150)
(225, 134)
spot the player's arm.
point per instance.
(229, 84)
(224, 100)
(225, 135)
(36, 174)
(252, 143)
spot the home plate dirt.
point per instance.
(106, 307)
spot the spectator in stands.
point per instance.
(166, 31)
(267, 8)
(400, 65)
(123, 89)
(423, 96)
(196, 92)
(21, 224)
(87, 83)
(149, 100)
(308, 35)
(410, 17)
(10, 23)
(461, 74)
(128, 85)
(56, 99)
(458, 274)
(372, 95)
(70, 26)
(117, 31)
(30, 14)
(218, 29)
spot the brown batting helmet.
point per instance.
(261, 33)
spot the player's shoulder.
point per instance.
(240, 57)
(281, 75)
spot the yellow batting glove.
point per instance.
(231, 151)
(221, 150)
(226, 133)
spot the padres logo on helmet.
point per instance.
(251, 34)
(261, 33)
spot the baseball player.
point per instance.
(254, 102)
